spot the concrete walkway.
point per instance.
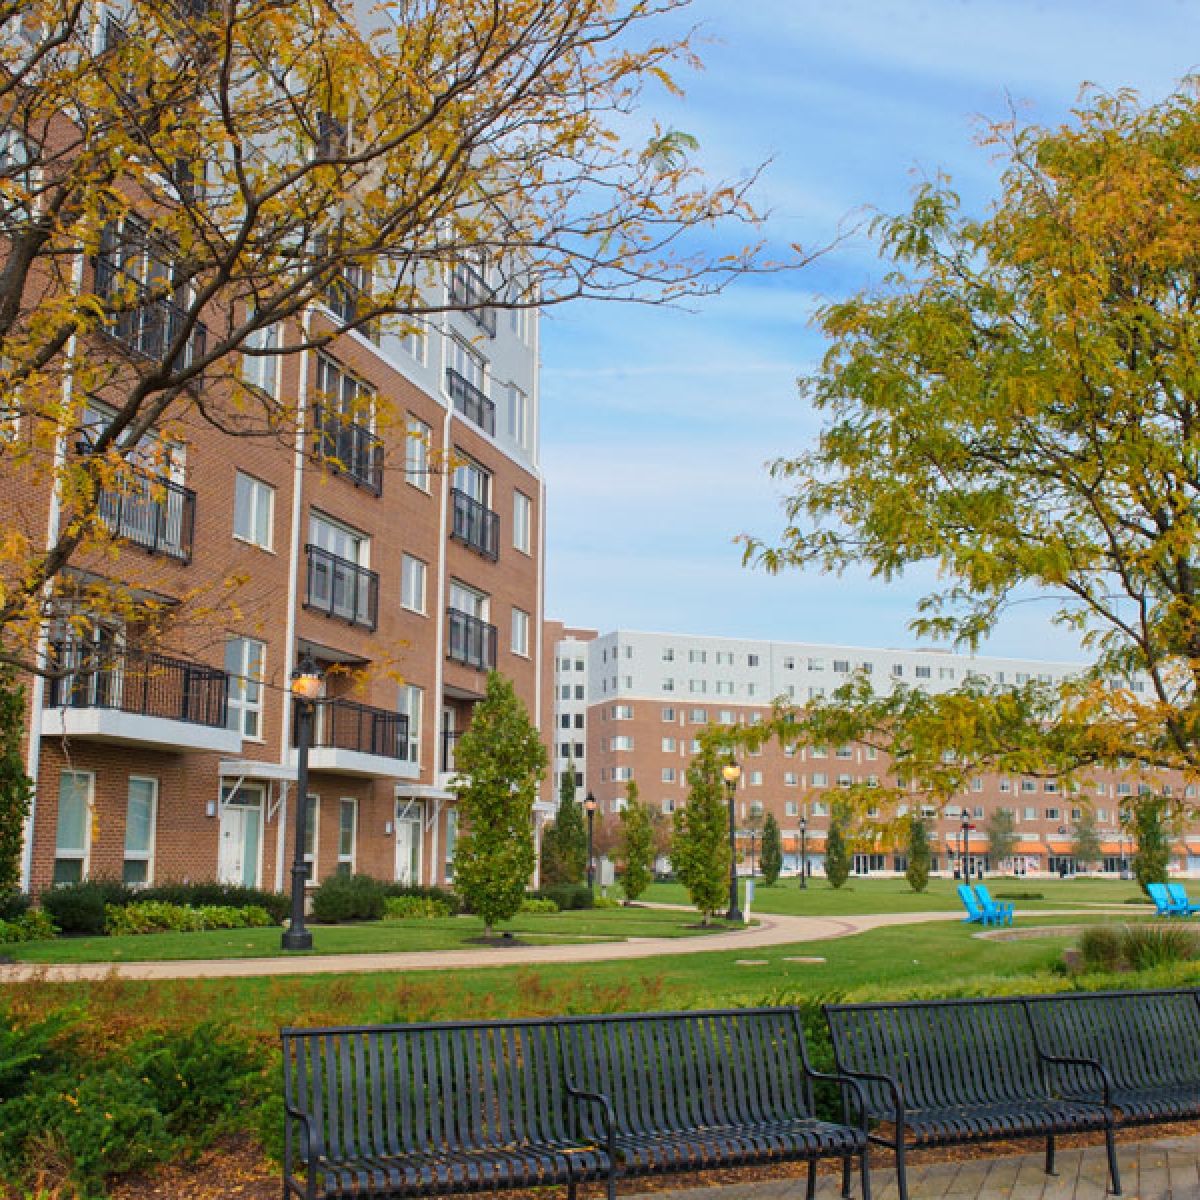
(773, 930)
(1167, 1169)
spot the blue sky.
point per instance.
(657, 424)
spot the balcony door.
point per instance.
(410, 818)
(239, 858)
(334, 584)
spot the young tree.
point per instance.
(1147, 820)
(221, 184)
(700, 846)
(16, 789)
(1030, 375)
(919, 856)
(1085, 839)
(500, 761)
(837, 852)
(564, 844)
(1001, 833)
(637, 845)
(771, 859)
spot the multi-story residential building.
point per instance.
(397, 541)
(638, 701)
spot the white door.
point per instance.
(409, 819)
(241, 836)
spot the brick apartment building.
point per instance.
(397, 539)
(630, 705)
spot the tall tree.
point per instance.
(920, 857)
(700, 847)
(1001, 830)
(837, 850)
(637, 845)
(16, 789)
(1015, 411)
(1085, 838)
(500, 761)
(771, 860)
(564, 844)
(215, 171)
(1147, 819)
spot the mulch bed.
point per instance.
(236, 1169)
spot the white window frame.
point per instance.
(136, 855)
(418, 438)
(243, 682)
(312, 832)
(520, 632)
(522, 522)
(519, 424)
(414, 574)
(256, 494)
(411, 702)
(261, 369)
(70, 853)
(349, 803)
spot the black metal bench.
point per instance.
(693, 1091)
(940, 1072)
(417, 1110)
(1143, 1047)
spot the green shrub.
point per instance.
(348, 898)
(606, 902)
(451, 901)
(1100, 948)
(568, 896)
(225, 895)
(156, 916)
(1145, 947)
(409, 908)
(79, 907)
(537, 904)
(34, 926)
(13, 904)
(1023, 896)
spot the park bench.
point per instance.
(415, 1110)
(1180, 900)
(696, 1090)
(1164, 905)
(942, 1072)
(1142, 1050)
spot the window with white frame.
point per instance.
(410, 704)
(342, 541)
(260, 358)
(72, 838)
(253, 510)
(756, 778)
(141, 812)
(312, 835)
(820, 779)
(520, 428)
(622, 774)
(669, 745)
(790, 779)
(467, 362)
(668, 806)
(416, 340)
(347, 835)
(520, 632)
(412, 583)
(418, 439)
(622, 712)
(668, 713)
(522, 522)
(244, 664)
(791, 808)
(623, 741)
(668, 774)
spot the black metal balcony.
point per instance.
(348, 725)
(351, 449)
(150, 512)
(150, 685)
(349, 297)
(470, 292)
(340, 588)
(471, 641)
(470, 401)
(149, 327)
(475, 525)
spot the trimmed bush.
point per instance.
(411, 908)
(13, 904)
(532, 904)
(606, 902)
(348, 898)
(224, 895)
(80, 907)
(29, 927)
(154, 916)
(568, 896)
(450, 900)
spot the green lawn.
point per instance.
(377, 937)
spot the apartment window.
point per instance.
(897, 670)
(820, 779)
(1006, 785)
(669, 745)
(1031, 814)
(520, 632)
(412, 583)
(141, 810)
(819, 809)
(1028, 785)
(668, 685)
(1052, 814)
(260, 358)
(579, 720)
(844, 752)
(697, 656)
(468, 363)
(244, 659)
(522, 522)
(566, 691)
(312, 835)
(699, 716)
(410, 703)
(816, 664)
(416, 341)
(789, 779)
(668, 713)
(752, 660)
(844, 781)
(347, 831)
(923, 672)
(417, 441)
(565, 720)
(1050, 786)
(622, 712)
(668, 774)
(789, 663)
(698, 685)
(668, 806)
(977, 784)
(725, 716)
(818, 751)
(579, 691)
(791, 808)
(622, 742)
(841, 666)
(622, 774)
(253, 510)
(579, 664)
(668, 654)
(340, 540)
(72, 838)
(519, 425)
(344, 420)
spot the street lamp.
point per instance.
(732, 773)
(804, 851)
(308, 686)
(589, 806)
(966, 874)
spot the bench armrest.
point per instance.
(313, 1142)
(1066, 1060)
(850, 1082)
(895, 1090)
(601, 1101)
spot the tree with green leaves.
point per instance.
(1085, 839)
(1147, 819)
(564, 844)
(771, 860)
(16, 789)
(1001, 831)
(700, 845)
(637, 845)
(500, 760)
(837, 849)
(1014, 412)
(920, 857)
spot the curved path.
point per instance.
(773, 929)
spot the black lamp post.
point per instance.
(804, 852)
(732, 773)
(308, 684)
(753, 849)
(966, 874)
(589, 806)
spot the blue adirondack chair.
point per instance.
(1178, 896)
(1000, 912)
(1164, 906)
(974, 912)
